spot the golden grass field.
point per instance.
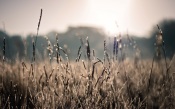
(69, 84)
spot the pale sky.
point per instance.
(138, 16)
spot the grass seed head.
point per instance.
(88, 49)
(4, 49)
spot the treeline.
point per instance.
(70, 41)
(21, 47)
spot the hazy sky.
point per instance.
(138, 16)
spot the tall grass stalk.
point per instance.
(38, 25)
(57, 50)
(163, 45)
(88, 52)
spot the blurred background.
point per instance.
(75, 19)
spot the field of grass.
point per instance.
(91, 83)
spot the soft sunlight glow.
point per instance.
(110, 17)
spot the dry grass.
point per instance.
(72, 86)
